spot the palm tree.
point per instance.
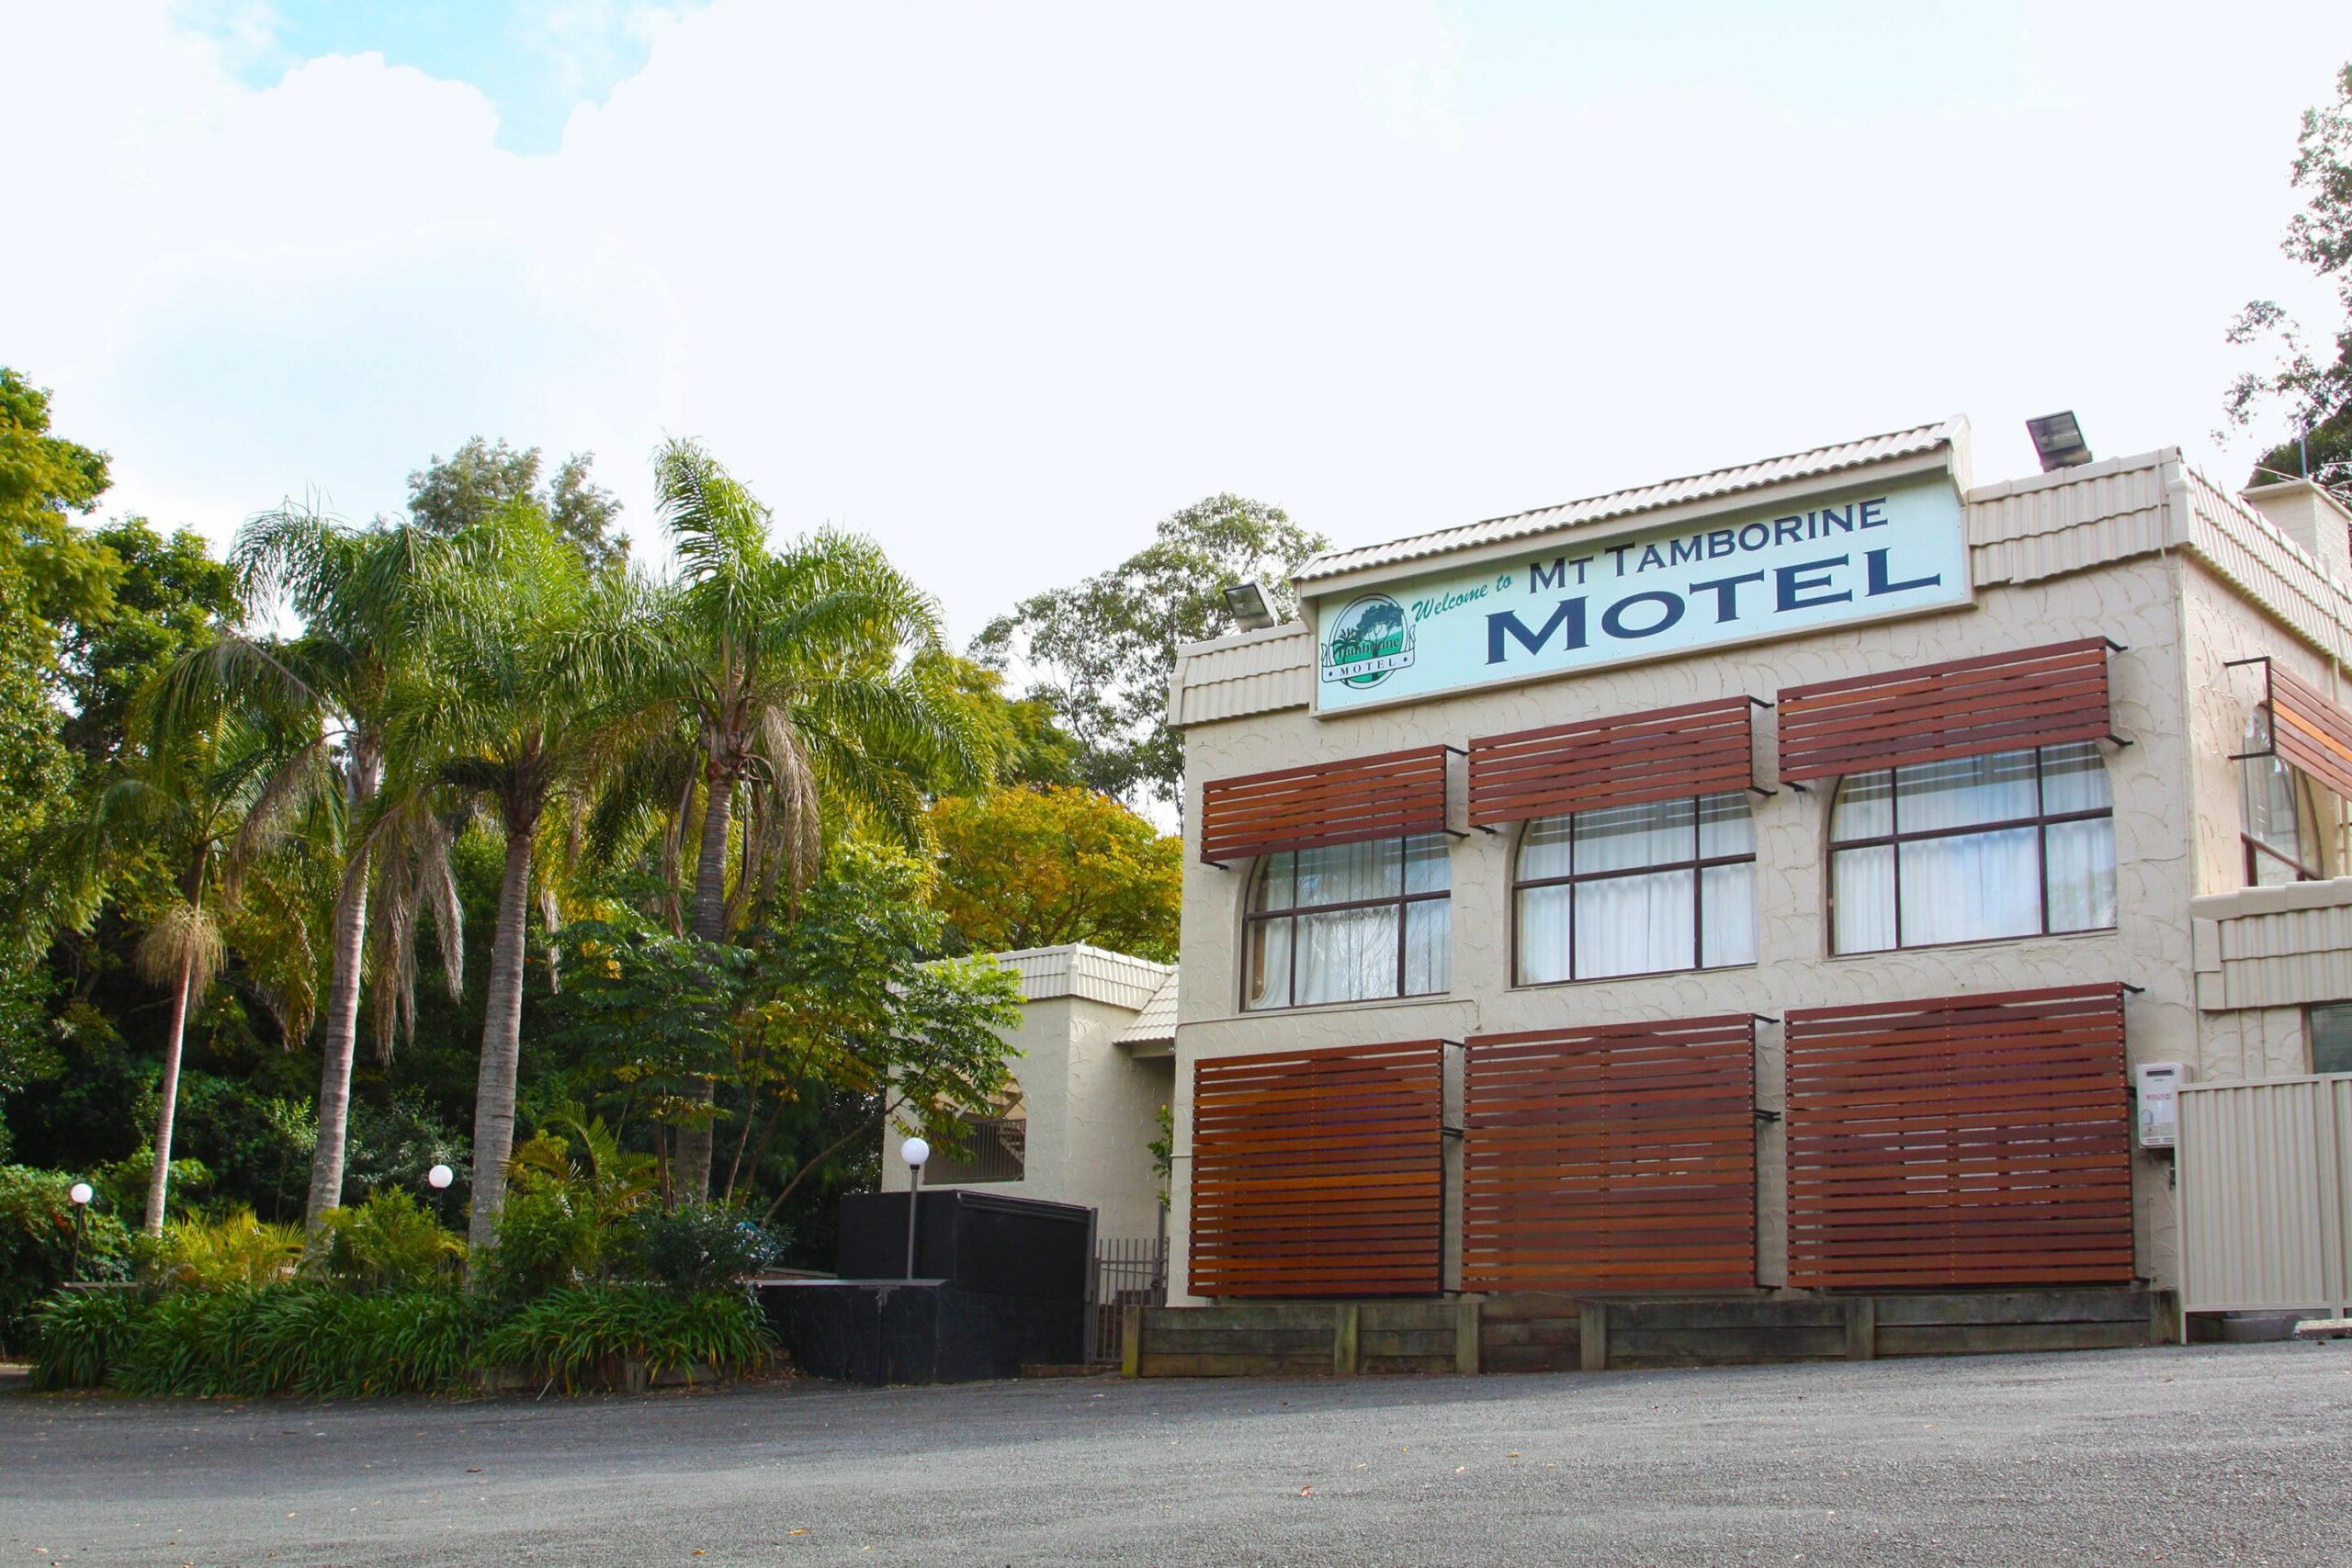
(359, 592)
(797, 673)
(500, 718)
(202, 803)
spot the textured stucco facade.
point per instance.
(2138, 550)
(1090, 1088)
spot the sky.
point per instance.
(1003, 285)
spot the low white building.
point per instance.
(1093, 1065)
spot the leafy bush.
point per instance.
(545, 1242)
(81, 1336)
(390, 1242)
(36, 1222)
(698, 1247)
(235, 1252)
(570, 1332)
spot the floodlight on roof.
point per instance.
(1246, 601)
(2058, 441)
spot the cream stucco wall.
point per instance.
(1092, 1108)
(2087, 552)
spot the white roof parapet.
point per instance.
(1096, 974)
(1156, 1025)
(1821, 460)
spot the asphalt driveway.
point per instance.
(2237, 1454)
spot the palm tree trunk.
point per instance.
(692, 1179)
(161, 1179)
(501, 1041)
(342, 1009)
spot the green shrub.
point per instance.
(545, 1242)
(570, 1332)
(80, 1335)
(390, 1242)
(698, 1247)
(37, 1224)
(236, 1252)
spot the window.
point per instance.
(1348, 923)
(2015, 843)
(2330, 1027)
(2274, 814)
(1637, 890)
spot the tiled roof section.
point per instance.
(1627, 502)
(1156, 1025)
(1116, 979)
(1252, 672)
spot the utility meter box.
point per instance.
(2159, 1086)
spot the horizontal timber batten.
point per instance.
(1610, 1158)
(1666, 754)
(2001, 701)
(1963, 1141)
(1385, 796)
(1319, 1172)
(2309, 732)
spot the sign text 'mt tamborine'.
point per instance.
(1859, 557)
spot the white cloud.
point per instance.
(1004, 286)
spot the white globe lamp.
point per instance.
(81, 1192)
(439, 1177)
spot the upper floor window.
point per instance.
(1349, 923)
(2274, 810)
(1641, 889)
(2017, 843)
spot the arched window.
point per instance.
(1349, 923)
(1635, 890)
(2017, 843)
(2277, 822)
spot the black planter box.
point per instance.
(1003, 1246)
(899, 1331)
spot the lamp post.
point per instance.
(81, 1192)
(914, 1151)
(439, 1177)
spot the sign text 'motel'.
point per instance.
(1861, 556)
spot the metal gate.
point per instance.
(2265, 1195)
(1129, 1272)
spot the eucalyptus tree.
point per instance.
(360, 593)
(508, 719)
(803, 676)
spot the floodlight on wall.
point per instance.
(2058, 441)
(1247, 601)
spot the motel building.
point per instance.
(1832, 894)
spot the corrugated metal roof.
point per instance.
(1119, 979)
(1646, 498)
(1156, 1024)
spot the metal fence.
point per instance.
(996, 1151)
(2265, 1194)
(1129, 1272)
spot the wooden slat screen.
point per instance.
(1962, 1142)
(1664, 754)
(1319, 1173)
(2311, 732)
(1383, 797)
(1610, 1160)
(2001, 701)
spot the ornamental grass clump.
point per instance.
(569, 1333)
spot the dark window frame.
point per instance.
(1696, 866)
(1251, 917)
(2042, 820)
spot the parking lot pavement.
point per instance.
(2211, 1454)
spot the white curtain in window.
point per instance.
(1347, 956)
(1269, 965)
(1429, 945)
(1543, 935)
(1727, 916)
(1862, 885)
(1970, 887)
(1633, 925)
(1343, 873)
(2082, 874)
